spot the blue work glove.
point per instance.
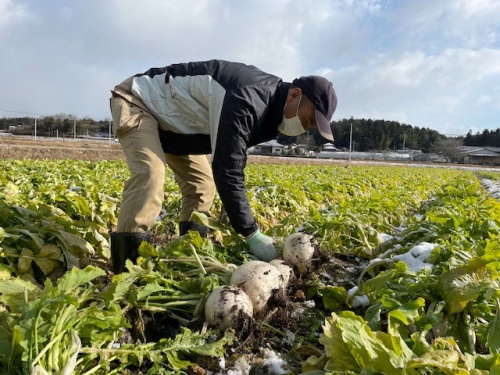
(262, 246)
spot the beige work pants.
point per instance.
(143, 194)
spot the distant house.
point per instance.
(328, 147)
(268, 148)
(480, 155)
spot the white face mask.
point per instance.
(292, 126)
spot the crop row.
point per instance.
(55, 294)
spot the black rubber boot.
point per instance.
(125, 245)
(185, 226)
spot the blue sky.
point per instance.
(431, 64)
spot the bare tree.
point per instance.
(307, 140)
(449, 148)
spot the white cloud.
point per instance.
(472, 23)
(66, 13)
(11, 13)
(421, 89)
(483, 99)
(426, 63)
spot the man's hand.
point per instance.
(262, 246)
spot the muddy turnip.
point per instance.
(285, 270)
(298, 251)
(228, 307)
(261, 281)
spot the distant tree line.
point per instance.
(61, 125)
(485, 138)
(367, 134)
(383, 135)
(370, 135)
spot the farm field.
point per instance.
(405, 279)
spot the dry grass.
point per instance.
(27, 148)
(12, 147)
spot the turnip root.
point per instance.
(228, 307)
(261, 281)
(285, 270)
(298, 251)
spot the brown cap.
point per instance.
(321, 93)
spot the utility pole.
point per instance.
(350, 142)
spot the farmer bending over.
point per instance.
(179, 114)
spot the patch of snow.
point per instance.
(290, 337)
(415, 257)
(273, 362)
(241, 367)
(352, 291)
(413, 263)
(310, 304)
(360, 301)
(423, 250)
(297, 312)
(386, 237)
(299, 308)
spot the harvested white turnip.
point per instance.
(285, 270)
(261, 281)
(228, 307)
(298, 251)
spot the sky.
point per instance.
(426, 63)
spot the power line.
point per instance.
(23, 113)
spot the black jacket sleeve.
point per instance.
(229, 160)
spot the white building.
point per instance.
(271, 147)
